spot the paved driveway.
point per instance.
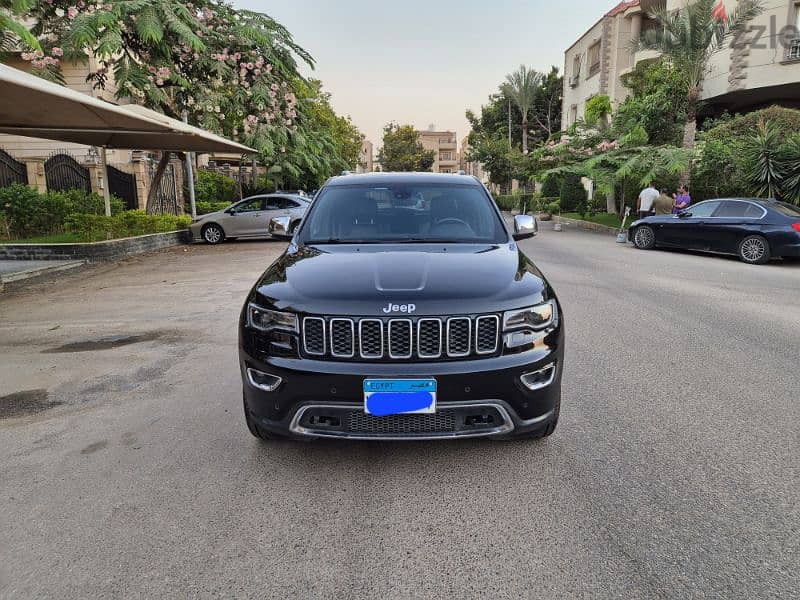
(126, 469)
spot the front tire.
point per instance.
(754, 250)
(213, 234)
(644, 237)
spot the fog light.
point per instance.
(263, 381)
(539, 379)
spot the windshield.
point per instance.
(403, 213)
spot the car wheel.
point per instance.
(257, 431)
(754, 250)
(644, 237)
(213, 234)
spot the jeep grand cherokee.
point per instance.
(402, 308)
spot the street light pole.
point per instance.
(190, 174)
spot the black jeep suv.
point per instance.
(402, 309)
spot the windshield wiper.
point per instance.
(339, 241)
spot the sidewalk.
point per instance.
(16, 270)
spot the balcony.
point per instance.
(793, 49)
(446, 144)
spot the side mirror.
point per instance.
(684, 214)
(230, 211)
(279, 228)
(525, 226)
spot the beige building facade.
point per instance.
(756, 69)
(366, 159)
(445, 147)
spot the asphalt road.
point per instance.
(126, 469)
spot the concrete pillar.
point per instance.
(36, 176)
(139, 169)
(636, 25)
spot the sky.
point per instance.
(424, 62)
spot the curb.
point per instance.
(29, 273)
(587, 225)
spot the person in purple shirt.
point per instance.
(682, 201)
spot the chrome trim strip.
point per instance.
(361, 337)
(352, 352)
(552, 366)
(324, 343)
(265, 388)
(410, 338)
(469, 337)
(506, 427)
(496, 333)
(419, 337)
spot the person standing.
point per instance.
(683, 200)
(664, 203)
(645, 202)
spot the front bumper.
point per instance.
(476, 398)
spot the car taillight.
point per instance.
(796, 227)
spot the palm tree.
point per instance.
(522, 86)
(688, 38)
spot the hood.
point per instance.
(398, 280)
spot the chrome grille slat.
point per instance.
(487, 328)
(342, 338)
(314, 336)
(401, 338)
(429, 338)
(459, 332)
(370, 338)
(423, 338)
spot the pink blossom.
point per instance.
(250, 66)
(72, 12)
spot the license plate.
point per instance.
(384, 397)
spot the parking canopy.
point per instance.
(33, 107)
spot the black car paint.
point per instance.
(438, 279)
(723, 234)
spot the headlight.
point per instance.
(536, 317)
(266, 320)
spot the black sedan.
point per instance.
(755, 230)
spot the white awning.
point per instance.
(33, 107)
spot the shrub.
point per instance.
(82, 202)
(215, 188)
(573, 194)
(553, 207)
(551, 186)
(126, 224)
(203, 208)
(27, 212)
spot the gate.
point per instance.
(65, 173)
(11, 170)
(123, 186)
(166, 202)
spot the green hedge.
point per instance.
(509, 202)
(573, 194)
(213, 188)
(24, 212)
(203, 208)
(127, 224)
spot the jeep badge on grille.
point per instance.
(402, 308)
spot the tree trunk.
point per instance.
(156, 183)
(690, 128)
(524, 136)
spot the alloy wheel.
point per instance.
(212, 235)
(644, 237)
(753, 249)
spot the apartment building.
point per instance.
(366, 159)
(445, 148)
(473, 168)
(759, 68)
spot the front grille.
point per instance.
(425, 338)
(443, 421)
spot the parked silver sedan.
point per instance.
(249, 218)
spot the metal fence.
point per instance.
(63, 172)
(123, 185)
(11, 170)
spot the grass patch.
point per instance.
(599, 218)
(57, 238)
